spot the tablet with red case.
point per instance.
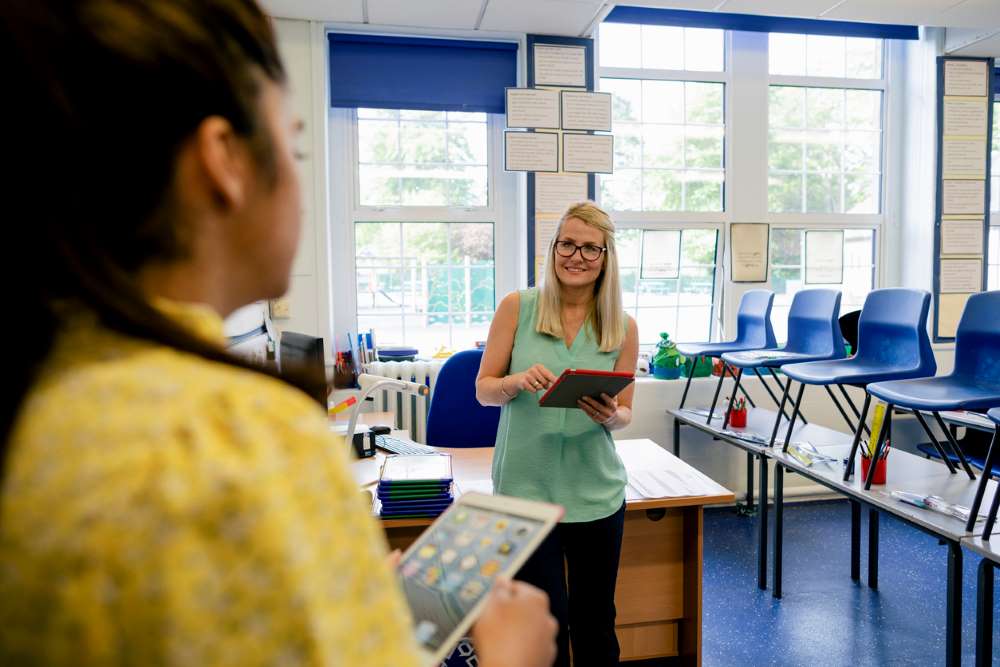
(575, 383)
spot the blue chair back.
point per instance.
(813, 326)
(753, 321)
(456, 419)
(892, 331)
(977, 342)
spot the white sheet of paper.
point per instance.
(963, 197)
(748, 252)
(965, 77)
(545, 228)
(950, 307)
(531, 151)
(555, 192)
(825, 257)
(586, 111)
(590, 153)
(965, 116)
(961, 276)
(661, 254)
(963, 158)
(961, 237)
(531, 108)
(560, 65)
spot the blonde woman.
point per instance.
(574, 320)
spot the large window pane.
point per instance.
(820, 55)
(824, 150)
(679, 306)
(669, 146)
(661, 47)
(425, 284)
(422, 158)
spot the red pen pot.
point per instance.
(879, 475)
(738, 418)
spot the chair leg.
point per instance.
(767, 387)
(802, 415)
(954, 445)
(991, 518)
(883, 435)
(849, 470)
(934, 441)
(732, 399)
(984, 480)
(781, 412)
(746, 395)
(854, 409)
(795, 414)
(687, 385)
(840, 409)
(715, 399)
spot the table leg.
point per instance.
(677, 437)
(984, 615)
(762, 525)
(750, 464)
(855, 540)
(779, 515)
(953, 623)
(873, 549)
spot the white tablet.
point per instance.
(448, 572)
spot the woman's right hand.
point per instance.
(515, 628)
(536, 378)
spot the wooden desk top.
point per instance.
(473, 464)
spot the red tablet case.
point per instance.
(574, 384)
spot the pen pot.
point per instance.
(738, 418)
(879, 475)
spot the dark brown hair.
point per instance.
(105, 93)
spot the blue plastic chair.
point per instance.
(893, 344)
(753, 332)
(974, 384)
(456, 419)
(813, 335)
(991, 461)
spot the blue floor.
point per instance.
(824, 618)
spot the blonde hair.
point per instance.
(607, 318)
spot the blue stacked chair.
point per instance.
(974, 384)
(813, 335)
(455, 418)
(893, 344)
(991, 457)
(753, 332)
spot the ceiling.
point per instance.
(979, 18)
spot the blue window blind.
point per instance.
(754, 23)
(385, 72)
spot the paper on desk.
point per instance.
(476, 485)
(667, 484)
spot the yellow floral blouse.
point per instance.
(157, 508)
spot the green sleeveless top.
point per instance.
(557, 455)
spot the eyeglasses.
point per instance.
(588, 251)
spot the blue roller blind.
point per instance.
(754, 23)
(415, 73)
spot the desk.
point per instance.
(658, 595)
(990, 551)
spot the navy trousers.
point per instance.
(577, 565)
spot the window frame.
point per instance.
(501, 211)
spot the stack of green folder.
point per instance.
(413, 487)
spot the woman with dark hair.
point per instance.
(161, 501)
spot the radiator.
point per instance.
(410, 411)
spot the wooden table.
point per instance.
(658, 596)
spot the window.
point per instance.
(993, 268)
(668, 146)
(824, 139)
(424, 233)
(681, 306)
(425, 284)
(661, 47)
(787, 259)
(993, 250)
(422, 158)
